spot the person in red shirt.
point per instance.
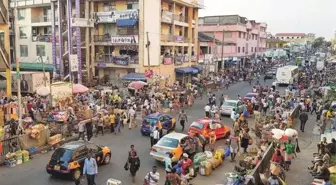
(277, 157)
(186, 163)
(30, 110)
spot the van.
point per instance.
(287, 74)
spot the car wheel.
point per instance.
(76, 174)
(107, 159)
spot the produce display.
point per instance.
(36, 131)
(55, 139)
(61, 117)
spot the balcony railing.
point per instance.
(174, 38)
(41, 38)
(102, 38)
(4, 53)
(180, 18)
(123, 60)
(167, 38)
(179, 59)
(42, 19)
(4, 11)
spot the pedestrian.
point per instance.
(152, 128)
(173, 178)
(100, 125)
(156, 135)
(234, 147)
(131, 118)
(112, 121)
(118, 124)
(132, 151)
(90, 169)
(303, 119)
(168, 163)
(289, 152)
(152, 178)
(183, 119)
(207, 109)
(314, 107)
(81, 130)
(89, 130)
(134, 165)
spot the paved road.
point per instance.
(33, 172)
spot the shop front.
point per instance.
(185, 74)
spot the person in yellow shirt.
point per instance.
(212, 139)
(112, 121)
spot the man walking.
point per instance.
(131, 117)
(156, 135)
(81, 129)
(89, 132)
(90, 169)
(152, 178)
(100, 125)
(182, 118)
(207, 110)
(303, 119)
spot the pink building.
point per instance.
(242, 38)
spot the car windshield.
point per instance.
(197, 125)
(62, 154)
(168, 142)
(151, 121)
(231, 104)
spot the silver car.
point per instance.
(228, 106)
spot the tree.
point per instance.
(318, 42)
(328, 44)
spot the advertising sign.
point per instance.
(167, 17)
(30, 81)
(82, 22)
(111, 17)
(73, 59)
(59, 91)
(179, 38)
(129, 39)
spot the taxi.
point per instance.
(69, 158)
(167, 123)
(204, 126)
(249, 96)
(172, 143)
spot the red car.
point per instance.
(249, 96)
(201, 126)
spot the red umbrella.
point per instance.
(137, 85)
(79, 88)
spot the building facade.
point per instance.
(298, 38)
(274, 43)
(242, 38)
(108, 39)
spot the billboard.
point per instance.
(60, 91)
(113, 16)
(30, 81)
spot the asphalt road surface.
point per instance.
(34, 173)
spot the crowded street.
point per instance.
(119, 145)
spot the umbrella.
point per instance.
(137, 85)
(277, 133)
(291, 132)
(79, 88)
(43, 91)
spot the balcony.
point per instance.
(4, 54)
(4, 13)
(43, 20)
(180, 20)
(174, 38)
(167, 17)
(41, 38)
(125, 61)
(32, 3)
(116, 40)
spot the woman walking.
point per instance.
(134, 165)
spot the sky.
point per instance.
(281, 16)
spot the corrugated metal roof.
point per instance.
(290, 34)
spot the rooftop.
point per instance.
(290, 34)
(275, 40)
(206, 38)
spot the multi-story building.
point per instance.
(109, 38)
(274, 43)
(298, 38)
(242, 38)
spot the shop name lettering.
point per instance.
(124, 40)
(114, 15)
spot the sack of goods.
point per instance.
(25, 156)
(208, 154)
(36, 131)
(215, 162)
(18, 157)
(275, 169)
(205, 168)
(198, 158)
(55, 139)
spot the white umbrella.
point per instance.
(43, 91)
(277, 133)
(291, 132)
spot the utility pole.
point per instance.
(147, 46)
(18, 81)
(44, 73)
(223, 47)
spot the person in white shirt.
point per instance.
(131, 116)
(81, 130)
(207, 109)
(274, 85)
(156, 135)
(152, 178)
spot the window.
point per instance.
(282, 37)
(81, 152)
(40, 50)
(251, 49)
(109, 6)
(129, 6)
(255, 49)
(287, 37)
(243, 49)
(23, 32)
(21, 14)
(228, 35)
(93, 148)
(239, 34)
(23, 50)
(238, 49)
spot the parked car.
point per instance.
(201, 126)
(172, 143)
(69, 158)
(228, 106)
(249, 96)
(269, 75)
(168, 123)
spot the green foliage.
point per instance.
(318, 42)
(331, 96)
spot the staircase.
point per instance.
(4, 54)
(3, 11)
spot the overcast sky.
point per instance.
(282, 16)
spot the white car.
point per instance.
(170, 143)
(229, 105)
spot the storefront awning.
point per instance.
(34, 66)
(187, 70)
(126, 22)
(199, 68)
(134, 77)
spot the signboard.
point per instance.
(73, 59)
(82, 22)
(30, 81)
(179, 38)
(167, 17)
(129, 39)
(117, 60)
(59, 91)
(168, 61)
(111, 17)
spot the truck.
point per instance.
(30, 80)
(320, 65)
(287, 74)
